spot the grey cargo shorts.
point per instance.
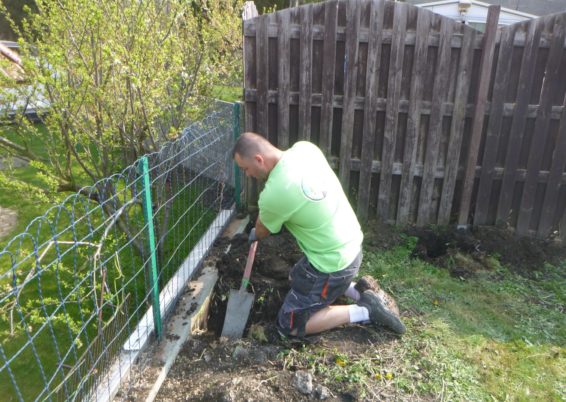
(311, 291)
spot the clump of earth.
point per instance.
(260, 366)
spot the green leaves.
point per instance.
(123, 76)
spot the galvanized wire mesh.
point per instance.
(76, 284)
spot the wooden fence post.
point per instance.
(479, 112)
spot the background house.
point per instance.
(10, 61)
(18, 93)
(474, 13)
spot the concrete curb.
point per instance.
(189, 316)
(180, 327)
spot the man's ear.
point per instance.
(259, 159)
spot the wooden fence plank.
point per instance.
(284, 45)
(494, 126)
(370, 108)
(414, 115)
(328, 65)
(392, 110)
(250, 72)
(519, 120)
(262, 74)
(249, 78)
(481, 99)
(551, 83)
(457, 127)
(426, 206)
(305, 78)
(555, 179)
(353, 9)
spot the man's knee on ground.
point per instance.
(292, 323)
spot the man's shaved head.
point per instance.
(250, 144)
(255, 155)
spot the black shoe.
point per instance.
(380, 313)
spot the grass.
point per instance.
(27, 208)
(190, 217)
(227, 93)
(496, 336)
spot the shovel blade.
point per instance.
(237, 313)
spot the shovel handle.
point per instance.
(249, 263)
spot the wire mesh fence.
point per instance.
(78, 284)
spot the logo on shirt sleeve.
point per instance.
(314, 188)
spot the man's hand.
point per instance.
(262, 231)
(252, 236)
(258, 233)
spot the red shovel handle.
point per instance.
(249, 263)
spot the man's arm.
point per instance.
(261, 231)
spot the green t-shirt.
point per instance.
(303, 193)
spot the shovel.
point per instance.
(240, 302)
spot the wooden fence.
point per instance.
(425, 119)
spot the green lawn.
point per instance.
(494, 337)
(26, 206)
(227, 93)
(490, 335)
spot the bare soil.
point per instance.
(210, 368)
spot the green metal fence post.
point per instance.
(237, 183)
(148, 214)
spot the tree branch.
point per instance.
(21, 151)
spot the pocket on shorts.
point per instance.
(302, 281)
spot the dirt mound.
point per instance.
(210, 368)
(269, 278)
(467, 251)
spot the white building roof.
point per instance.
(475, 11)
